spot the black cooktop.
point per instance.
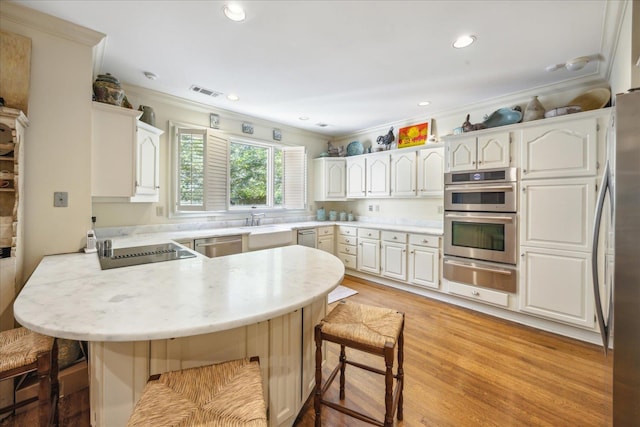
(126, 257)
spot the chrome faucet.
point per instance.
(255, 218)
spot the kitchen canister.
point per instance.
(107, 89)
(320, 216)
(148, 115)
(333, 215)
(533, 111)
(343, 216)
(350, 217)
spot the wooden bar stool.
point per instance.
(228, 394)
(370, 329)
(23, 351)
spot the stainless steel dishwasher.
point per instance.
(307, 237)
(214, 247)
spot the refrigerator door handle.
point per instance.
(604, 326)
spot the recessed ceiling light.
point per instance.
(234, 11)
(463, 41)
(423, 103)
(233, 97)
(150, 75)
(303, 118)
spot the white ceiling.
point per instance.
(350, 64)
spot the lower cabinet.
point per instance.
(369, 250)
(424, 261)
(394, 255)
(557, 285)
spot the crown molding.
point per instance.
(188, 104)
(46, 23)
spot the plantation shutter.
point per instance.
(216, 172)
(294, 165)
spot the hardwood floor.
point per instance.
(463, 368)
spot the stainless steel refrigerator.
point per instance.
(616, 258)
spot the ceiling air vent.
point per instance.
(205, 91)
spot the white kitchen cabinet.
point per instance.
(378, 173)
(356, 177)
(394, 255)
(348, 246)
(431, 172)
(326, 241)
(564, 148)
(485, 151)
(403, 173)
(329, 179)
(311, 316)
(557, 285)
(125, 158)
(369, 250)
(424, 261)
(557, 213)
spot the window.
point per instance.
(216, 174)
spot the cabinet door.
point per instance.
(403, 174)
(558, 214)
(369, 256)
(565, 149)
(431, 172)
(424, 266)
(147, 182)
(557, 285)
(325, 243)
(356, 184)
(494, 150)
(394, 260)
(378, 175)
(462, 154)
(330, 180)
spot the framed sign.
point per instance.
(411, 136)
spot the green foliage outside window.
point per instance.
(191, 169)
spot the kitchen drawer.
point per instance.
(347, 231)
(368, 233)
(424, 240)
(325, 231)
(347, 240)
(480, 294)
(349, 261)
(347, 249)
(393, 236)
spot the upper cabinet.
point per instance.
(356, 177)
(403, 173)
(378, 174)
(125, 158)
(560, 149)
(329, 178)
(431, 172)
(486, 151)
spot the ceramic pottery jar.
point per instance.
(107, 89)
(533, 111)
(148, 115)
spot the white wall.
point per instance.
(57, 144)
(622, 65)
(168, 108)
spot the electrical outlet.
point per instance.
(377, 208)
(370, 208)
(440, 209)
(60, 199)
(159, 210)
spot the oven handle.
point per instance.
(473, 267)
(477, 188)
(484, 218)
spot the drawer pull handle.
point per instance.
(475, 293)
(425, 241)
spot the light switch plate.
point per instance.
(60, 199)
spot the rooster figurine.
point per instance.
(387, 139)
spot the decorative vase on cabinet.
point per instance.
(533, 111)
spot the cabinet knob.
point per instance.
(475, 293)
(473, 162)
(347, 240)
(524, 171)
(425, 241)
(157, 187)
(410, 252)
(479, 162)
(395, 237)
(524, 189)
(346, 249)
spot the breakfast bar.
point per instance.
(151, 318)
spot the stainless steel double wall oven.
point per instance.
(481, 228)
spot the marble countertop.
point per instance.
(69, 296)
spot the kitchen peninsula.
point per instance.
(151, 318)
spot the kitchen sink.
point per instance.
(268, 236)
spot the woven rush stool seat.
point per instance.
(23, 351)
(365, 328)
(228, 394)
